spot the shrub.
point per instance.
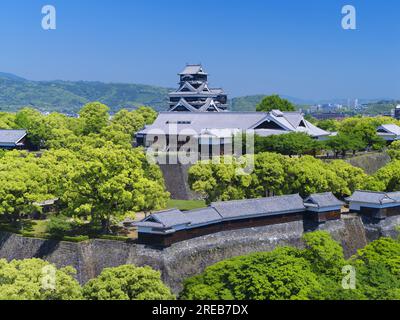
(59, 226)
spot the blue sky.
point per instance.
(291, 47)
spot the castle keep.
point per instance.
(194, 93)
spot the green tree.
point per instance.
(308, 175)
(278, 275)
(130, 122)
(268, 176)
(7, 120)
(342, 143)
(148, 114)
(378, 270)
(294, 143)
(353, 177)
(325, 254)
(388, 177)
(328, 125)
(219, 179)
(384, 250)
(62, 138)
(22, 183)
(109, 180)
(394, 150)
(364, 129)
(94, 117)
(127, 283)
(32, 121)
(24, 280)
(275, 102)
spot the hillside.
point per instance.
(69, 96)
(249, 103)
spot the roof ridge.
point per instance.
(371, 191)
(167, 210)
(321, 193)
(198, 209)
(258, 199)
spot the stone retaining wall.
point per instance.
(190, 257)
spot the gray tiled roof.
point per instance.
(193, 69)
(391, 129)
(203, 216)
(374, 197)
(171, 218)
(395, 196)
(323, 200)
(262, 206)
(220, 211)
(198, 121)
(174, 217)
(149, 224)
(11, 136)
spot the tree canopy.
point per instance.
(273, 174)
(127, 282)
(275, 102)
(35, 279)
(294, 143)
(89, 164)
(315, 272)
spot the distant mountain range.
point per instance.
(70, 96)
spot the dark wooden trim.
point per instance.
(160, 240)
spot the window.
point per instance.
(178, 122)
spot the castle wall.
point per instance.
(191, 257)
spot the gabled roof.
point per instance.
(198, 121)
(323, 200)
(259, 207)
(203, 216)
(193, 69)
(11, 137)
(182, 102)
(374, 197)
(188, 86)
(172, 218)
(210, 103)
(294, 118)
(391, 129)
